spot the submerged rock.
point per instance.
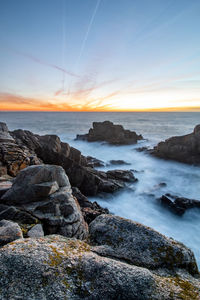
(45, 193)
(9, 232)
(178, 204)
(184, 148)
(118, 162)
(110, 133)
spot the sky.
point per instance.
(100, 55)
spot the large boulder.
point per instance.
(184, 148)
(139, 245)
(110, 133)
(57, 268)
(36, 183)
(45, 193)
(9, 232)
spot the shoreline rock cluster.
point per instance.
(27, 149)
(56, 244)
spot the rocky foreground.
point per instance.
(56, 244)
(108, 132)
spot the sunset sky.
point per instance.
(99, 55)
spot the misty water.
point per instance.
(138, 202)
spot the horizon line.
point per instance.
(166, 109)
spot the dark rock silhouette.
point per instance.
(178, 204)
(185, 149)
(110, 133)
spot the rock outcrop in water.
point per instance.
(178, 205)
(108, 132)
(55, 267)
(185, 149)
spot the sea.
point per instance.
(139, 201)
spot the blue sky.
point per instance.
(99, 54)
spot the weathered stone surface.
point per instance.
(184, 148)
(56, 268)
(35, 183)
(178, 205)
(45, 193)
(13, 157)
(90, 210)
(17, 215)
(110, 133)
(36, 231)
(4, 134)
(139, 245)
(9, 231)
(4, 187)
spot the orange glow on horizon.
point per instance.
(10, 102)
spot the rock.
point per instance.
(185, 149)
(139, 245)
(110, 133)
(9, 231)
(36, 231)
(44, 192)
(94, 162)
(90, 210)
(4, 134)
(142, 149)
(13, 157)
(82, 200)
(17, 215)
(35, 183)
(124, 175)
(118, 162)
(91, 213)
(4, 186)
(56, 268)
(178, 205)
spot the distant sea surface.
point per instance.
(138, 203)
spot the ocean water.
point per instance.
(139, 201)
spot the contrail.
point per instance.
(87, 33)
(63, 41)
(85, 39)
(41, 62)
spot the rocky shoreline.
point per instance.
(56, 244)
